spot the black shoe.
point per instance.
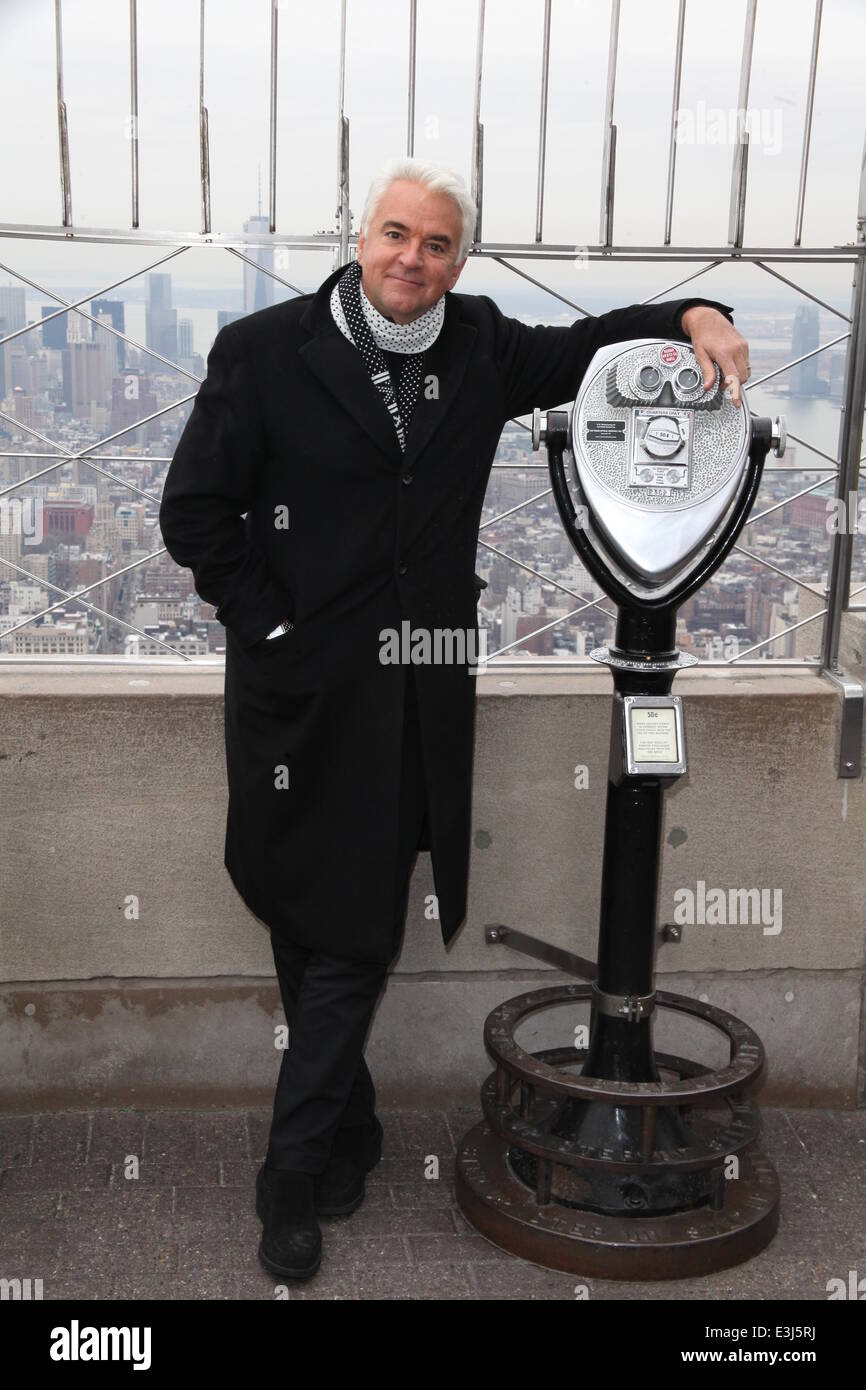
(291, 1242)
(340, 1188)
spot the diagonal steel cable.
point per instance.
(518, 641)
(804, 583)
(76, 597)
(72, 456)
(85, 299)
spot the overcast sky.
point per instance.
(96, 89)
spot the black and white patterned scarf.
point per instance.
(372, 333)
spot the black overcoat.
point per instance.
(288, 497)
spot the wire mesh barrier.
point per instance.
(820, 605)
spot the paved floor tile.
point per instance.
(186, 1227)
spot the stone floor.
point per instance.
(186, 1228)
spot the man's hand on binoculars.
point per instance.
(715, 339)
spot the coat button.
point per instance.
(407, 477)
(403, 569)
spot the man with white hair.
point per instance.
(327, 490)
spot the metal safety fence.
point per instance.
(841, 470)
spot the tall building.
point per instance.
(184, 338)
(160, 317)
(54, 331)
(77, 329)
(159, 289)
(116, 311)
(225, 316)
(109, 345)
(13, 314)
(13, 307)
(804, 338)
(133, 399)
(85, 377)
(22, 406)
(258, 287)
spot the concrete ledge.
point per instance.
(212, 1042)
(119, 919)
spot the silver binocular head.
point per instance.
(655, 464)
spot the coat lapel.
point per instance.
(340, 367)
(444, 368)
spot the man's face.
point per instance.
(407, 256)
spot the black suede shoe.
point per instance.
(291, 1242)
(340, 1188)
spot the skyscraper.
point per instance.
(804, 338)
(13, 314)
(160, 318)
(13, 306)
(54, 331)
(258, 287)
(115, 309)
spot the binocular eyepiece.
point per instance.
(665, 375)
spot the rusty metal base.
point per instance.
(677, 1246)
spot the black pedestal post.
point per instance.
(621, 1049)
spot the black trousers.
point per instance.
(324, 1083)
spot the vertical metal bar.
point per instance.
(675, 106)
(272, 130)
(478, 178)
(807, 128)
(527, 1100)
(742, 169)
(133, 104)
(608, 158)
(204, 149)
(477, 128)
(410, 132)
(648, 1130)
(737, 212)
(542, 124)
(344, 196)
(504, 1086)
(343, 149)
(850, 443)
(543, 1177)
(62, 125)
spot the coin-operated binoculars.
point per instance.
(644, 1165)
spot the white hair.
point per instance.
(437, 178)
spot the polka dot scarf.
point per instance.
(372, 334)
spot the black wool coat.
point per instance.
(288, 497)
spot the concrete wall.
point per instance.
(113, 785)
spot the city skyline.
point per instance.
(76, 383)
(740, 606)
